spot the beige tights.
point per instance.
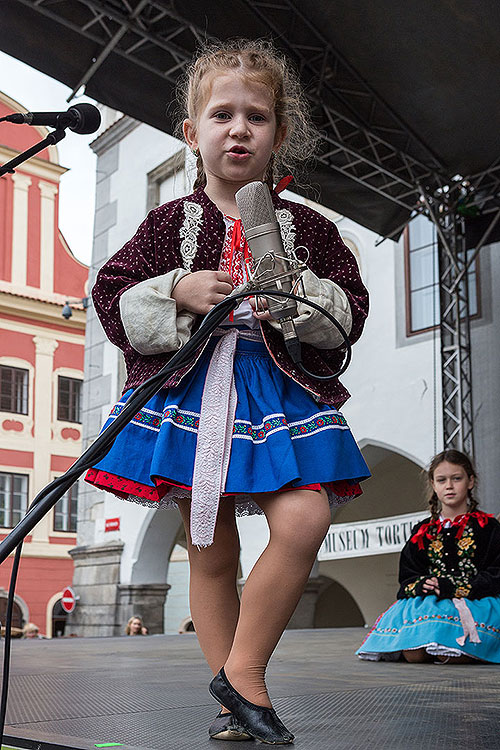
(242, 636)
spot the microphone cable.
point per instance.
(103, 443)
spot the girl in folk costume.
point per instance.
(241, 429)
(448, 605)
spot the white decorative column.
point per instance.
(48, 193)
(20, 228)
(42, 417)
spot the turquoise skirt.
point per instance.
(426, 622)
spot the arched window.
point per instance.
(59, 617)
(17, 616)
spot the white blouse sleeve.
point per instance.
(150, 317)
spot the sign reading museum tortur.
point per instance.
(374, 537)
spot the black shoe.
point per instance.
(260, 722)
(225, 727)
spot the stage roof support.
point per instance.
(405, 96)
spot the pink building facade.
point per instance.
(41, 370)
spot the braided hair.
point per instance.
(459, 459)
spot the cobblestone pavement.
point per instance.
(151, 694)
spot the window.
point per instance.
(69, 399)
(14, 389)
(66, 510)
(422, 274)
(17, 617)
(59, 617)
(167, 181)
(13, 498)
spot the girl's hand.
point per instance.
(431, 585)
(260, 311)
(200, 291)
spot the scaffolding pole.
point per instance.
(456, 365)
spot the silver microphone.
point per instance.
(273, 270)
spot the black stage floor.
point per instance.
(150, 694)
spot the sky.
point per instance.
(40, 93)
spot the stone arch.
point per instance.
(154, 545)
(21, 613)
(146, 591)
(397, 487)
(186, 626)
(49, 611)
(336, 607)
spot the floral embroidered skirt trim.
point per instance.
(426, 622)
(282, 439)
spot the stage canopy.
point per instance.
(405, 94)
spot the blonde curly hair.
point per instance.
(257, 61)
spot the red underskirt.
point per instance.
(122, 487)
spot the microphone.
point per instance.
(81, 118)
(273, 270)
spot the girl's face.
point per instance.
(235, 132)
(135, 626)
(451, 484)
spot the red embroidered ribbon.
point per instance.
(283, 183)
(431, 529)
(238, 271)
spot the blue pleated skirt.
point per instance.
(282, 438)
(426, 622)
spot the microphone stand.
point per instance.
(54, 137)
(49, 496)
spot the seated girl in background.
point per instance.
(448, 605)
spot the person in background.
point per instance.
(31, 630)
(135, 626)
(448, 605)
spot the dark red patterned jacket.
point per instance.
(189, 233)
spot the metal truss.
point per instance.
(455, 261)
(363, 139)
(149, 33)
(456, 365)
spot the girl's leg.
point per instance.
(298, 522)
(213, 594)
(417, 656)
(463, 659)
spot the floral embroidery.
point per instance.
(465, 547)
(318, 422)
(144, 418)
(287, 228)
(410, 588)
(193, 215)
(242, 429)
(234, 260)
(259, 432)
(464, 543)
(181, 419)
(437, 545)
(429, 618)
